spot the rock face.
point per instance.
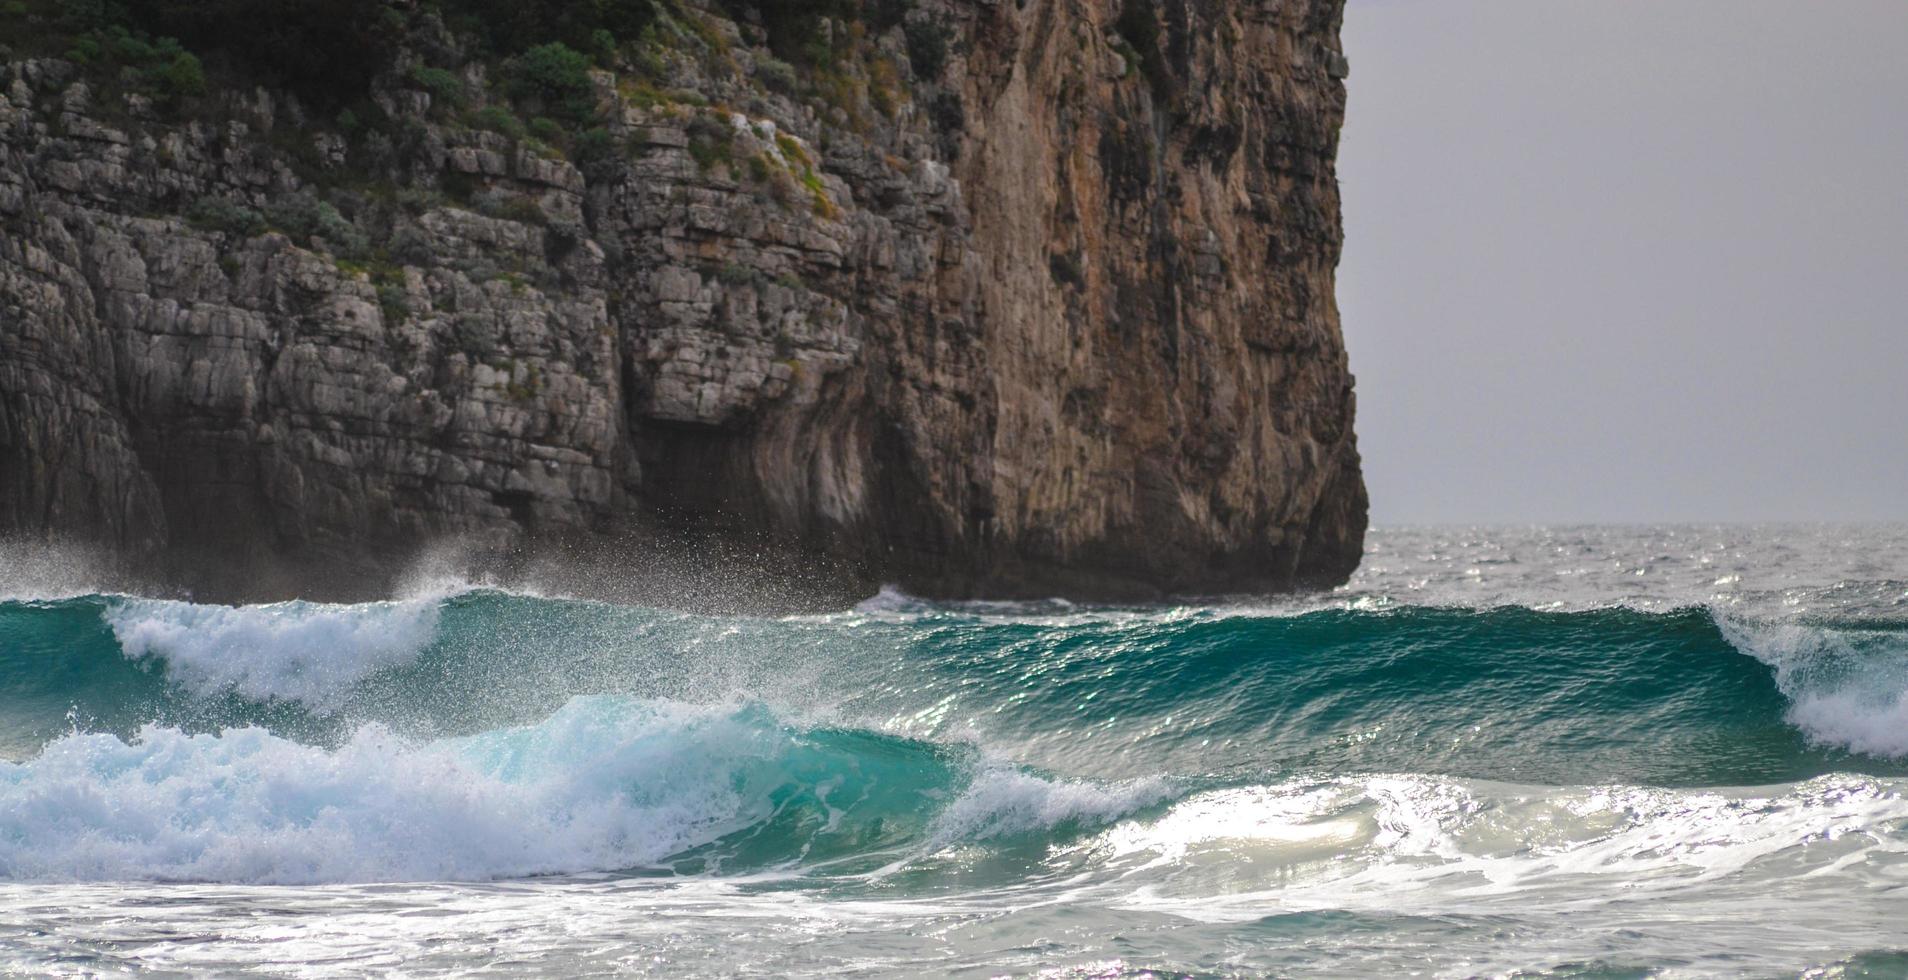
(1055, 316)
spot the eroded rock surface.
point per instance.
(1056, 318)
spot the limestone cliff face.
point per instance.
(1053, 316)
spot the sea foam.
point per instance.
(303, 651)
(1438, 846)
(605, 783)
(1847, 688)
(1006, 802)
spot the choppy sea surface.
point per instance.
(1574, 752)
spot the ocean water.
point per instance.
(1572, 752)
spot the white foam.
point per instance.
(1286, 816)
(1846, 688)
(604, 784)
(890, 599)
(309, 652)
(1003, 802)
(1855, 721)
(1417, 843)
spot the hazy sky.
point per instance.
(1628, 260)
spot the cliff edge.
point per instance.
(991, 297)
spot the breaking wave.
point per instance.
(477, 734)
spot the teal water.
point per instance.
(1575, 752)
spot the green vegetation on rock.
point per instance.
(555, 78)
(445, 87)
(219, 214)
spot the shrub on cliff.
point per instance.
(497, 119)
(597, 148)
(94, 34)
(324, 50)
(304, 217)
(555, 77)
(711, 141)
(219, 214)
(445, 87)
(794, 27)
(776, 74)
(509, 26)
(179, 75)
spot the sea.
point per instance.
(1665, 751)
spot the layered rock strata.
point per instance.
(1054, 317)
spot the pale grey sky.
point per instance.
(1628, 260)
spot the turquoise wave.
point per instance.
(486, 734)
(1677, 698)
(605, 783)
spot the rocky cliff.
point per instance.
(996, 297)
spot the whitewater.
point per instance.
(1572, 752)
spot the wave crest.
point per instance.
(1847, 687)
(605, 784)
(1011, 802)
(302, 651)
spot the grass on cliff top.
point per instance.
(529, 70)
(117, 56)
(324, 51)
(327, 51)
